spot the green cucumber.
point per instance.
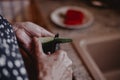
(51, 44)
(57, 39)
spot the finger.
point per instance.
(15, 27)
(45, 33)
(67, 61)
(63, 58)
(23, 38)
(24, 55)
(67, 74)
(38, 48)
(36, 30)
(59, 56)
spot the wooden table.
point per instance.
(106, 21)
(100, 26)
(29, 12)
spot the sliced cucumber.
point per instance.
(51, 44)
(57, 40)
(46, 39)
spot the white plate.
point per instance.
(55, 17)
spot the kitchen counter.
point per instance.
(105, 21)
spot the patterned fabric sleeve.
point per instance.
(11, 62)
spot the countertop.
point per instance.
(105, 21)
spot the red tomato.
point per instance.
(73, 17)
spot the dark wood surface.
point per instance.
(104, 23)
(38, 11)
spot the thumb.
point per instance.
(38, 48)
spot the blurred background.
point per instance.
(106, 14)
(19, 10)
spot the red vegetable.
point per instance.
(73, 17)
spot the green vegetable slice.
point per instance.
(46, 39)
(51, 44)
(57, 40)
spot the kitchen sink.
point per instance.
(101, 56)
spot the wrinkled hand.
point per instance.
(41, 67)
(25, 31)
(56, 66)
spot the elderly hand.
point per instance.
(40, 66)
(25, 31)
(56, 66)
